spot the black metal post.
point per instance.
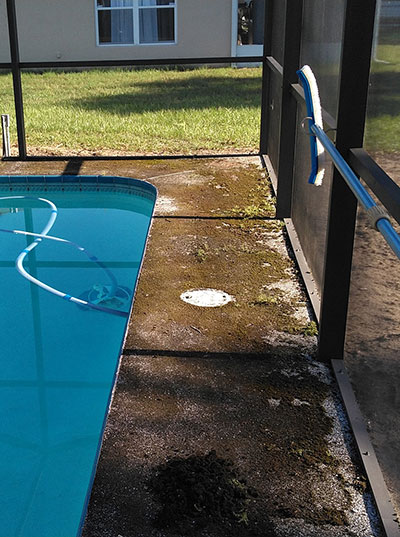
(352, 103)
(288, 127)
(264, 120)
(16, 74)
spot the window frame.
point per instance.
(135, 8)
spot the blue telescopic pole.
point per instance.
(382, 222)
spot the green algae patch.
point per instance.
(260, 201)
(280, 310)
(251, 265)
(311, 329)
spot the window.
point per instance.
(135, 22)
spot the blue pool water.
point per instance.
(59, 359)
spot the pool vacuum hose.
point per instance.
(104, 293)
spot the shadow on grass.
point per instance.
(182, 94)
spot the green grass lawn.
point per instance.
(383, 118)
(138, 112)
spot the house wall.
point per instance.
(4, 47)
(51, 30)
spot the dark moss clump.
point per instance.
(199, 491)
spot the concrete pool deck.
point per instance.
(239, 380)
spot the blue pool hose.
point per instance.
(377, 215)
(44, 235)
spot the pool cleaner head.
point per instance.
(314, 111)
(108, 297)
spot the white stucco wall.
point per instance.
(51, 30)
(4, 48)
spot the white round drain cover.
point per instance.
(206, 298)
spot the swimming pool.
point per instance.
(59, 358)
